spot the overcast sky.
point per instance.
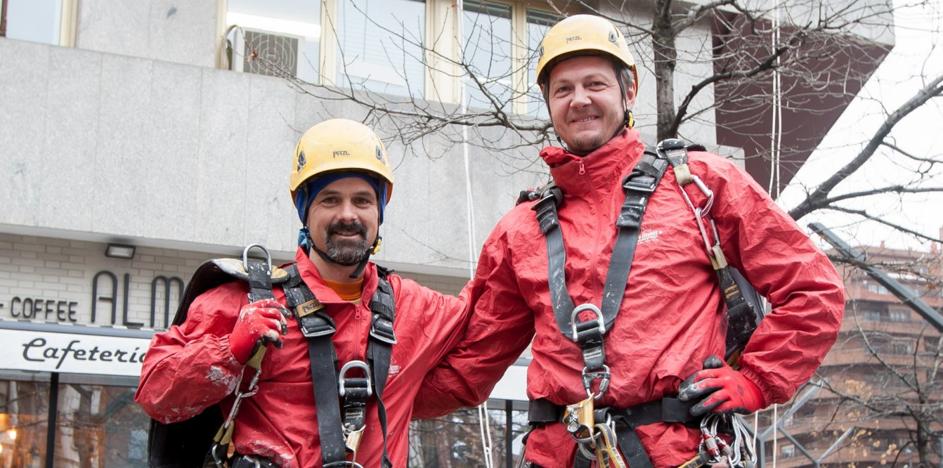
(916, 57)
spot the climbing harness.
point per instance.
(340, 435)
(188, 443)
(601, 433)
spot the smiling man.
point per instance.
(608, 267)
(353, 341)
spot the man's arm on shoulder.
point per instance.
(190, 367)
(802, 285)
(498, 330)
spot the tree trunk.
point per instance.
(663, 46)
(3, 18)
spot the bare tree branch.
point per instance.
(934, 88)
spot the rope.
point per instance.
(776, 132)
(484, 428)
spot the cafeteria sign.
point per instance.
(72, 353)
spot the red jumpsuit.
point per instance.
(672, 313)
(190, 367)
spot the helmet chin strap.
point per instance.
(366, 257)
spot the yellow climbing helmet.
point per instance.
(583, 35)
(340, 145)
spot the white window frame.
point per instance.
(68, 14)
(443, 81)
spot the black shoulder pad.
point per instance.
(696, 147)
(213, 273)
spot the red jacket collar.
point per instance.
(601, 168)
(312, 277)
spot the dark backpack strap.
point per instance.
(380, 346)
(318, 328)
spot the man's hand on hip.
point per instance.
(720, 388)
(259, 323)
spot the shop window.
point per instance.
(100, 426)
(275, 37)
(24, 411)
(538, 22)
(32, 20)
(486, 49)
(381, 46)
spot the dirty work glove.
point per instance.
(720, 388)
(259, 322)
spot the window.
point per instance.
(25, 407)
(32, 20)
(875, 288)
(898, 315)
(275, 37)
(381, 46)
(901, 347)
(788, 450)
(538, 22)
(101, 425)
(871, 314)
(486, 48)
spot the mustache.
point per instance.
(354, 227)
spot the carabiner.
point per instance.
(603, 375)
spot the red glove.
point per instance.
(259, 322)
(720, 388)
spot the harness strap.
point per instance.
(380, 347)
(667, 410)
(259, 277)
(319, 329)
(741, 298)
(589, 333)
(638, 187)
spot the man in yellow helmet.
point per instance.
(617, 270)
(352, 340)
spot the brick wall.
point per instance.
(53, 280)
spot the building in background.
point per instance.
(138, 138)
(881, 379)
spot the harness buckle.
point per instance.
(381, 328)
(575, 322)
(316, 324)
(356, 387)
(546, 213)
(641, 182)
